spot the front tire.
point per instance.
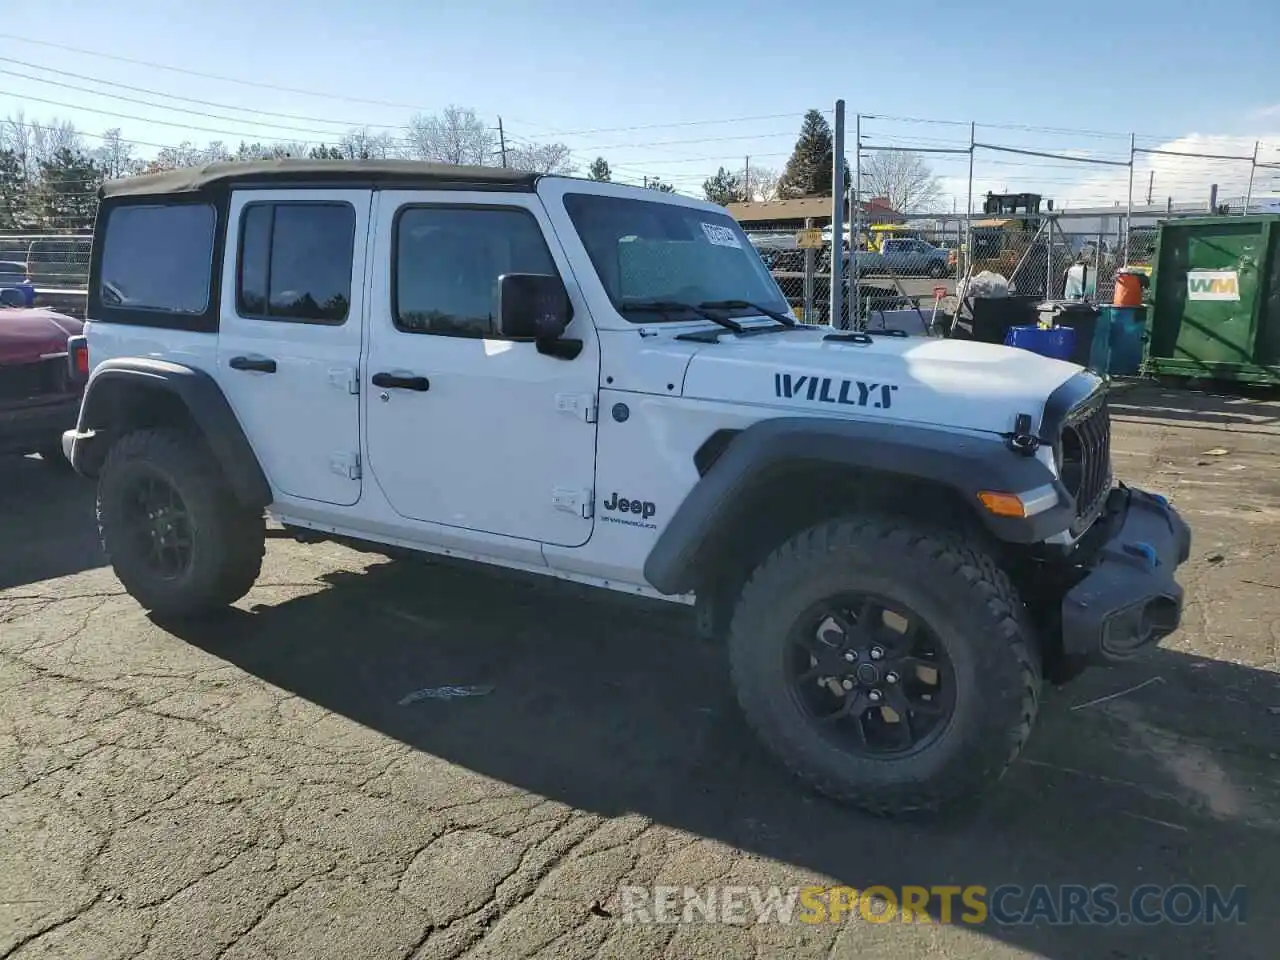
(177, 538)
(854, 616)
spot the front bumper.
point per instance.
(24, 429)
(1129, 599)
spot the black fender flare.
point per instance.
(964, 462)
(102, 412)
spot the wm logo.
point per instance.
(1225, 285)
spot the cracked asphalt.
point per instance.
(254, 786)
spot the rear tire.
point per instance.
(986, 667)
(159, 490)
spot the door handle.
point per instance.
(396, 382)
(260, 364)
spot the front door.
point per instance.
(290, 334)
(466, 428)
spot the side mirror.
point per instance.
(532, 306)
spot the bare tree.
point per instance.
(35, 143)
(363, 145)
(541, 158)
(904, 179)
(115, 156)
(455, 135)
(18, 137)
(762, 182)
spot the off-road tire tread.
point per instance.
(235, 550)
(1014, 657)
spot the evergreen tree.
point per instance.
(654, 183)
(67, 197)
(14, 208)
(599, 170)
(724, 188)
(808, 172)
(325, 152)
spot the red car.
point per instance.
(40, 385)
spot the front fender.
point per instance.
(965, 463)
(112, 406)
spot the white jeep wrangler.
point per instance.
(898, 536)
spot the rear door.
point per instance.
(290, 334)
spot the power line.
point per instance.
(166, 123)
(210, 76)
(173, 96)
(676, 123)
(164, 106)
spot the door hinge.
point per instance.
(346, 465)
(574, 500)
(345, 378)
(580, 405)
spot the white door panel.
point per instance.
(288, 360)
(474, 431)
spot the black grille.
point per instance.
(25, 381)
(1085, 458)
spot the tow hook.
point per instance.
(1022, 440)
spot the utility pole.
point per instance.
(1151, 182)
(502, 143)
(746, 178)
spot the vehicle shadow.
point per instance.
(616, 710)
(47, 524)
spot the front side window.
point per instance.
(648, 252)
(448, 261)
(296, 261)
(158, 257)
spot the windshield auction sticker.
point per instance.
(721, 236)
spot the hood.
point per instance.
(961, 384)
(26, 335)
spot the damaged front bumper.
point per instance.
(1128, 599)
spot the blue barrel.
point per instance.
(1128, 332)
(1057, 342)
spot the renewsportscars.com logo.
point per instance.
(1006, 905)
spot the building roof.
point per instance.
(289, 171)
(756, 211)
(797, 209)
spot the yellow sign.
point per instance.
(809, 239)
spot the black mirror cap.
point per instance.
(533, 306)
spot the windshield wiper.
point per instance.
(781, 318)
(674, 306)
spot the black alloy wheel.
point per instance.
(871, 675)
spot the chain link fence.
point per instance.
(55, 265)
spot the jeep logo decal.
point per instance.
(852, 393)
(644, 508)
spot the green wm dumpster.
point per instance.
(1215, 299)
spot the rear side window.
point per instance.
(296, 261)
(158, 257)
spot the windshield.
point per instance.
(650, 251)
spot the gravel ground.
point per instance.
(260, 787)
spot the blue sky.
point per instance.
(602, 77)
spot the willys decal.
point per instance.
(852, 393)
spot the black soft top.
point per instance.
(312, 173)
